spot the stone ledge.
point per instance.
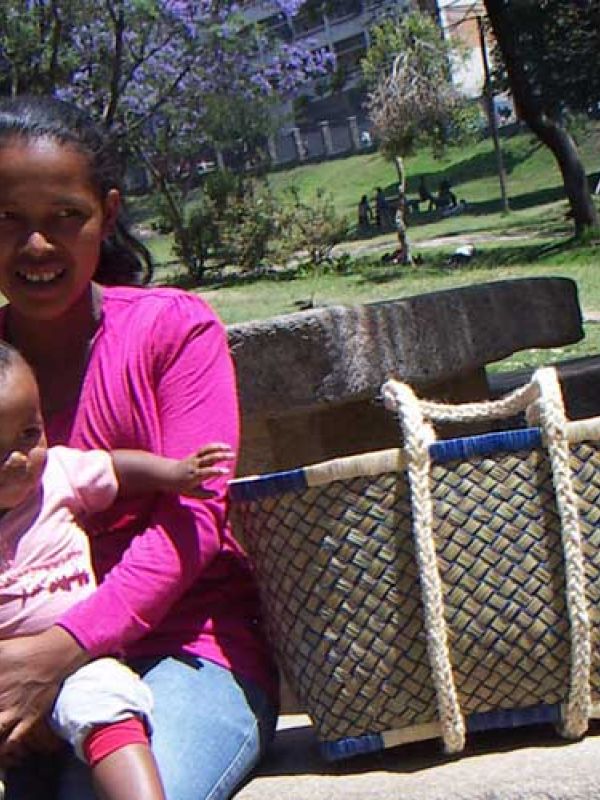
(342, 353)
(309, 382)
(524, 764)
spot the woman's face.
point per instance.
(23, 445)
(52, 223)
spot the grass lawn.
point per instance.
(532, 175)
(534, 239)
(264, 297)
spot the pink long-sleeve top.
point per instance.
(173, 579)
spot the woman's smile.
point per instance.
(40, 277)
(52, 224)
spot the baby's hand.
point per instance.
(208, 462)
(15, 464)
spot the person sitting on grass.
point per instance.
(120, 363)
(382, 209)
(103, 710)
(425, 195)
(446, 197)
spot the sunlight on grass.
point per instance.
(533, 240)
(531, 359)
(369, 281)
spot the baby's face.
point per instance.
(23, 444)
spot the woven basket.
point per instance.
(439, 588)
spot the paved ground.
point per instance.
(386, 242)
(591, 316)
(528, 764)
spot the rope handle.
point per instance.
(417, 437)
(518, 400)
(542, 400)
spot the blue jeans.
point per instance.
(210, 729)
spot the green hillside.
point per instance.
(532, 173)
(534, 239)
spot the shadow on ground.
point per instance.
(220, 279)
(436, 262)
(295, 752)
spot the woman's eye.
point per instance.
(70, 213)
(7, 215)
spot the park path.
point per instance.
(387, 241)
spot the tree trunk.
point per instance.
(55, 43)
(405, 254)
(193, 261)
(549, 131)
(400, 170)
(573, 172)
(118, 21)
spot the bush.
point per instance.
(314, 227)
(247, 229)
(199, 236)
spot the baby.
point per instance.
(103, 709)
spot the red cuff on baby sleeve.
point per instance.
(106, 739)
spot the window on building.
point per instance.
(348, 52)
(309, 19)
(342, 9)
(278, 26)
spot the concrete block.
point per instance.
(309, 382)
(579, 379)
(341, 353)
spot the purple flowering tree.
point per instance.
(169, 75)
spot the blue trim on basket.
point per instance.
(513, 717)
(256, 488)
(476, 723)
(294, 480)
(351, 746)
(485, 444)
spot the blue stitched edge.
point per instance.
(256, 488)
(484, 721)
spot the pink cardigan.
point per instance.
(173, 578)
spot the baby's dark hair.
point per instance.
(123, 258)
(9, 358)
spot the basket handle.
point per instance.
(540, 398)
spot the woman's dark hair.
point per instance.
(123, 258)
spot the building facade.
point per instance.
(329, 118)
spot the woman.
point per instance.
(127, 368)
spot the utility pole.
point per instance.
(489, 97)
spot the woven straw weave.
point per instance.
(339, 584)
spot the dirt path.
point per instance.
(388, 241)
(473, 238)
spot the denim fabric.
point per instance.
(210, 729)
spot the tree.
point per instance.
(151, 69)
(548, 49)
(33, 56)
(412, 100)
(560, 44)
